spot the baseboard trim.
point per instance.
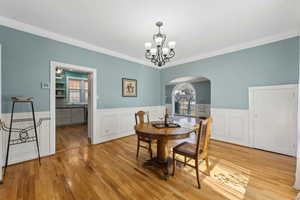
(115, 137)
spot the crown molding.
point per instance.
(11, 23)
(236, 48)
(68, 40)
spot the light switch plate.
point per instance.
(45, 85)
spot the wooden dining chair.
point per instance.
(198, 151)
(140, 118)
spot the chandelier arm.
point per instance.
(171, 54)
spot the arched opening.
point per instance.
(188, 96)
(183, 99)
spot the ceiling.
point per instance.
(198, 26)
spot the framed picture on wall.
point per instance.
(129, 87)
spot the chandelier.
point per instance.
(161, 53)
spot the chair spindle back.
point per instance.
(204, 134)
(140, 117)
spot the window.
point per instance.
(77, 90)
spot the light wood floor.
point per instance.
(111, 171)
(72, 136)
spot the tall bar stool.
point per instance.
(23, 132)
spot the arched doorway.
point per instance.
(188, 96)
(184, 99)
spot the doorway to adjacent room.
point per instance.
(72, 106)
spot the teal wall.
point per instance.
(26, 59)
(231, 74)
(168, 93)
(25, 64)
(202, 92)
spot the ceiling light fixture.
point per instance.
(161, 53)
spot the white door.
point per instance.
(273, 112)
(89, 116)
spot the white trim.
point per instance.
(297, 175)
(110, 124)
(93, 103)
(272, 87)
(0, 80)
(1, 178)
(114, 123)
(235, 48)
(23, 152)
(230, 125)
(65, 39)
(54, 36)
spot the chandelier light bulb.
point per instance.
(153, 51)
(165, 51)
(148, 45)
(172, 44)
(158, 41)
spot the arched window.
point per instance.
(184, 99)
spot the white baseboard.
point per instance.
(297, 175)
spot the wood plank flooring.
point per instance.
(71, 136)
(111, 171)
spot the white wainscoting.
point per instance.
(26, 151)
(119, 122)
(111, 124)
(231, 125)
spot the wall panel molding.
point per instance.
(23, 152)
(231, 125)
(119, 122)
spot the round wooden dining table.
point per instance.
(163, 136)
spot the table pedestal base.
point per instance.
(164, 166)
